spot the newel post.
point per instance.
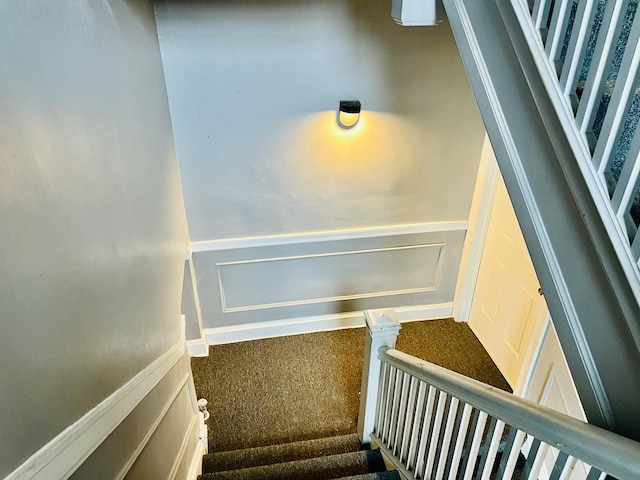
(382, 330)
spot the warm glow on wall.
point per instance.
(323, 153)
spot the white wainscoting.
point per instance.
(62, 455)
(283, 285)
(284, 281)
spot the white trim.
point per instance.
(145, 440)
(65, 453)
(196, 295)
(481, 207)
(195, 466)
(320, 323)
(316, 300)
(192, 432)
(326, 236)
(198, 348)
(532, 356)
(424, 312)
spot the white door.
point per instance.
(507, 311)
(550, 384)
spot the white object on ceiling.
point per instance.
(411, 13)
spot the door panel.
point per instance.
(507, 308)
(550, 384)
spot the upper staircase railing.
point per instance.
(436, 424)
(557, 83)
(592, 49)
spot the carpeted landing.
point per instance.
(291, 403)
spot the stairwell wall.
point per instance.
(292, 218)
(92, 227)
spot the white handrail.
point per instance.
(464, 401)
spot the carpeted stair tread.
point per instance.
(319, 468)
(386, 475)
(288, 452)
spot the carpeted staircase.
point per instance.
(339, 457)
(273, 395)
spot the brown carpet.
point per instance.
(303, 387)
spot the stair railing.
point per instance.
(590, 51)
(432, 423)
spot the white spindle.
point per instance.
(493, 450)
(538, 461)
(513, 455)
(628, 184)
(382, 395)
(397, 394)
(402, 414)
(389, 404)
(540, 13)
(446, 439)
(635, 246)
(424, 435)
(435, 435)
(475, 445)
(620, 99)
(568, 468)
(557, 29)
(577, 46)
(604, 50)
(408, 432)
(462, 433)
(415, 436)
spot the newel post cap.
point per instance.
(382, 321)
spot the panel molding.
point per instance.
(65, 453)
(320, 323)
(145, 440)
(191, 433)
(315, 300)
(326, 236)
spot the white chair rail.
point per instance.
(433, 423)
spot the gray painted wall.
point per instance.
(253, 88)
(92, 221)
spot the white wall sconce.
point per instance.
(349, 113)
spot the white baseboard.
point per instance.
(424, 312)
(198, 348)
(321, 323)
(65, 453)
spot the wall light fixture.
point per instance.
(349, 113)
